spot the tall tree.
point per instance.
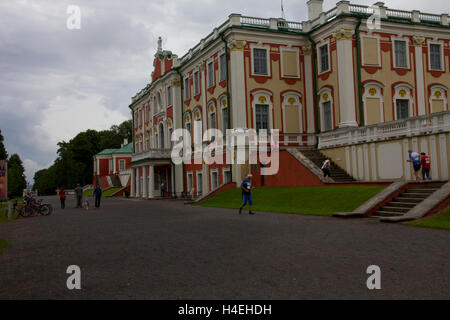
(16, 176)
(3, 153)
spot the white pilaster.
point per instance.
(434, 172)
(373, 159)
(114, 164)
(366, 162)
(443, 153)
(237, 84)
(354, 163)
(151, 182)
(309, 92)
(420, 80)
(144, 182)
(346, 79)
(406, 165)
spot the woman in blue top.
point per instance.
(246, 187)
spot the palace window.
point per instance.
(210, 74)
(160, 106)
(223, 67)
(260, 62)
(324, 58)
(262, 116)
(401, 55)
(215, 180)
(436, 56)
(196, 83)
(169, 96)
(225, 119)
(121, 165)
(290, 65)
(187, 90)
(199, 183)
(327, 116)
(402, 106)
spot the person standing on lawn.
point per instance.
(414, 158)
(62, 197)
(79, 195)
(426, 166)
(246, 187)
(98, 196)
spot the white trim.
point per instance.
(297, 59)
(321, 93)
(367, 94)
(441, 44)
(319, 60)
(256, 96)
(297, 103)
(393, 39)
(267, 48)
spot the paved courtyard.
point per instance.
(131, 249)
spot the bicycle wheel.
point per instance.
(26, 212)
(46, 209)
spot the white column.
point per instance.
(144, 182)
(114, 165)
(309, 91)
(237, 82)
(374, 163)
(366, 162)
(443, 153)
(133, 183)
(420, 80)
(434, 172)
(151, 182)
(406, 165)
(346, 81)
(138, 182)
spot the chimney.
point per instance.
(315, 8)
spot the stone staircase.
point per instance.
(406, 201)
(337, 173)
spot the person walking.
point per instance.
(98, 196)
(79, 195)
(414, 158)
(326, 166)
(62, 197)
(246, 187)
(426, 166)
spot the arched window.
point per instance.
(292, 113)
(262, 110)
(403, 101)
(438, 98)
(225, 114)
(373, 103)
(326, 109)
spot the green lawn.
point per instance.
(107, 193)
(439, 221)
(322, 201)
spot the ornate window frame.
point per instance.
(403, 91)
(262, 96)
(373, 89)
(292, 98)
(326, 94)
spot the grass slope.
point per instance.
(439, 221)
(323, 201)
(107, 193)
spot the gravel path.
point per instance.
(131, 249)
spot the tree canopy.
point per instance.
(16, 176)
(3, 153)
(74, 163)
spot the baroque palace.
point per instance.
(343, 85)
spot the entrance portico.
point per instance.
(149, 170)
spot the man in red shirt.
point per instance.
(426, 166)
(62, 197)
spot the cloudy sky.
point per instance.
(56, 82)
